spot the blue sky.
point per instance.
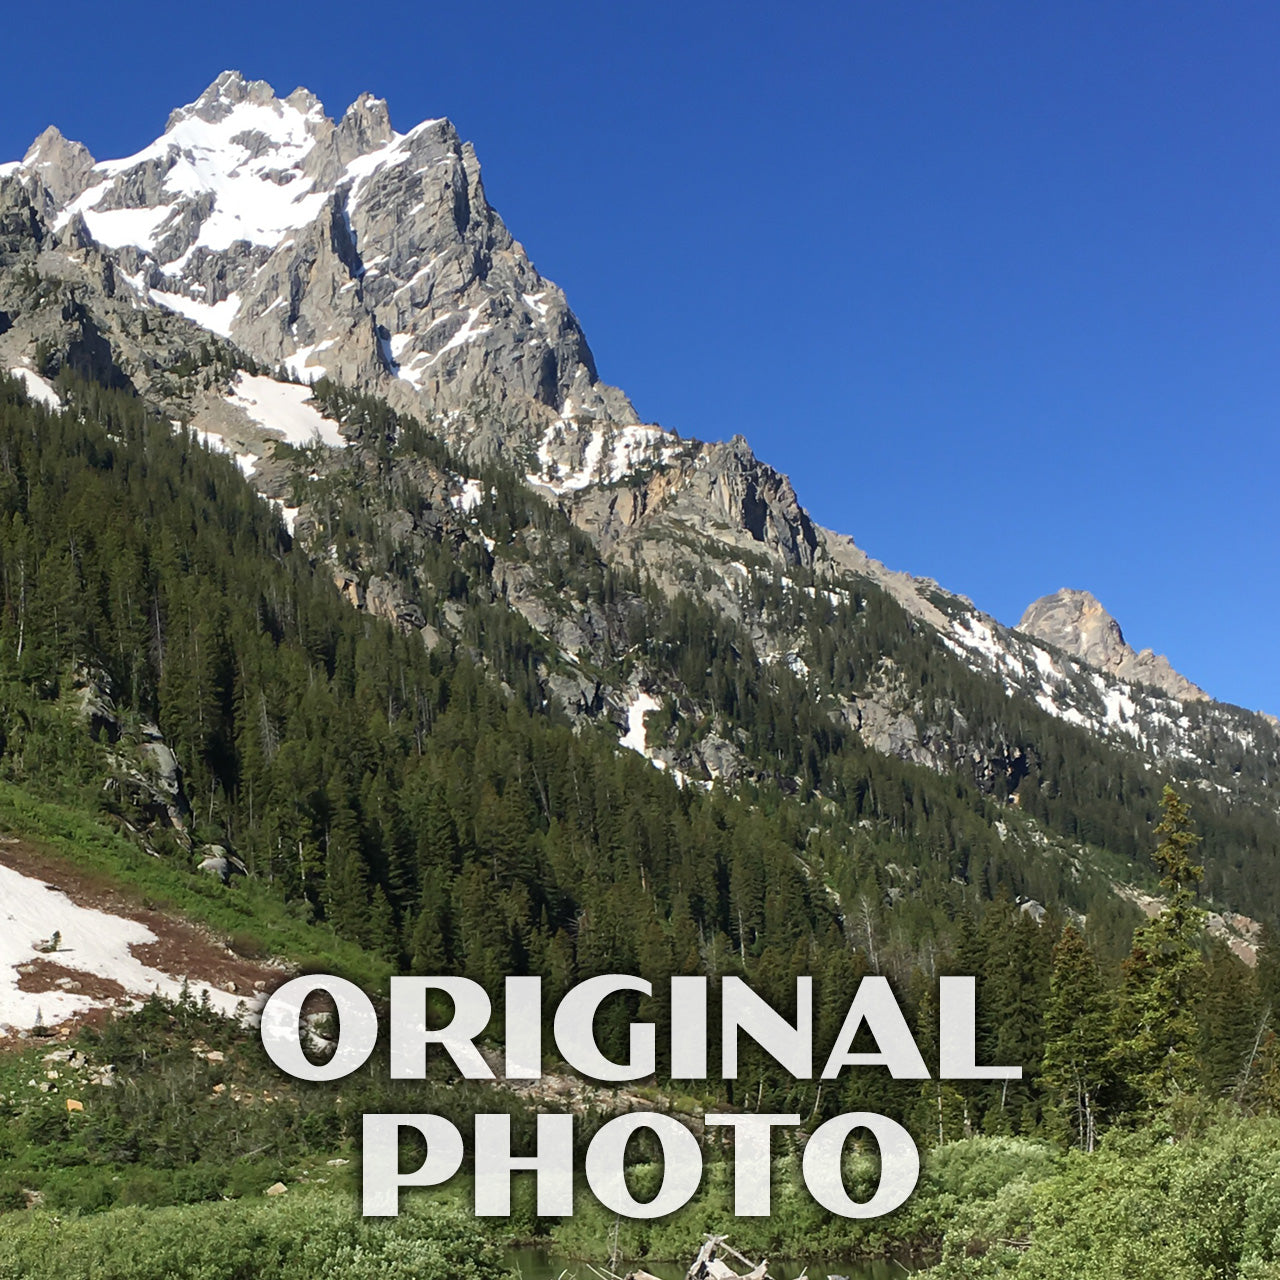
(996, 284)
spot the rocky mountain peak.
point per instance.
(364, 128)
(342, 249)
(221, 98)
(61, 165)
(1076, 622)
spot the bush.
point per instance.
(12, 1192)
(248, 945)
(312, 1237)
(80, 1190)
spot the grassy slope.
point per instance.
(246, 910)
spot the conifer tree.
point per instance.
(1164, 972)
(1230, 1020)
(1077, 1030)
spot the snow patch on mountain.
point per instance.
(89, 942)
(247, 462)
(285, 408)
(469, 330)
(216, 317)
(1071, 689)
(419, 362)
(288, 514)
(470, 496)
(304, 366)
(37, 388)
(249, 162)
(635, 738)
(609, 455)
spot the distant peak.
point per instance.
(365, 126)
(1081, 610)
(223, 96)
(52, 142)
(63, 165)
(367, 104)
(51, 137)
(1076, 622)
(304, 101)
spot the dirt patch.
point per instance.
(17, 1041)
(42, 974)
(185, 953)
(181, 949)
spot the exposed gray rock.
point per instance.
(1030, 907)
(96, 702)
(385, 599)
(720, 492)
(144, 768)
(1076, 622)
(62, 166)
(216, 861)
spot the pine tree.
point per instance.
(1077, 1030)
(1164, 973)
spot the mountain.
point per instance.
(349, 624)
(345, 249)
(1076, 623)
(336, 306)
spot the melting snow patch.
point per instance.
(299, 364)
(609, 455)
(472, 496)
(634, 739)
(255, 197)
(579, 479)
(247, 462)
(1069, 714)
(1121, 709)
(634, 447)
(216, 317)
(285, 408)
(119, 227)
(37, 388)
(464, 335)
(288, 514)
(90, 941)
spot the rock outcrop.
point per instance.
(1076, 622)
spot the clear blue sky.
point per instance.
(996, 284)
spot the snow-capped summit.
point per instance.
(345, 247)
(228, 168)
(335, 247)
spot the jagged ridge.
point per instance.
(350, 250)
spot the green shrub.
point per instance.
(12, 1192)
(308, 1237)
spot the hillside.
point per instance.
(349, 618)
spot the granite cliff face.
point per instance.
(350, 251)
(341, 248)
(259, 245)
(1076, 623)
